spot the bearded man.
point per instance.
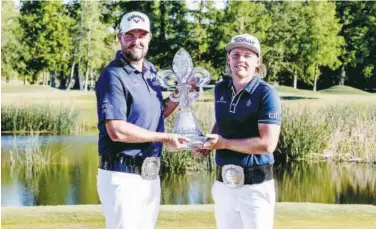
(131, 114)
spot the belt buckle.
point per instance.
(150, 168)
(233, 176)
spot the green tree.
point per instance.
(323, 41)
(12, 53)
(283, 40)
(96, 51)
(199, 35)
(169, 29)
(45, 32)
(359, 30)
(303, 38)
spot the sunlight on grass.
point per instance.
(344, 90)
(288, 215)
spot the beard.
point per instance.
(135, 53)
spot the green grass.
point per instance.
(33, 157)
(329, 131)
(344, 90)
(315, 125)
(288, 215)
(84, 102)
(286, 91)
(181, 162)
(44, 118)
(9, 88)
(296, 142)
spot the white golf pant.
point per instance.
(246, 207)
(128, 201)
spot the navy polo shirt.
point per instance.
(124, 93)
(238, 116)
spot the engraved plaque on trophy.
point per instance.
(182, 75)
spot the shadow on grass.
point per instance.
(296, 97)
(282, 97)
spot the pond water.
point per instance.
(72, 180)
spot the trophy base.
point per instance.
(196, 142)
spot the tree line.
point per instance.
(304, 44)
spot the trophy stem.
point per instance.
(185, 101)
(186, 123)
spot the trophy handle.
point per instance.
(201, 76)
(167, 78)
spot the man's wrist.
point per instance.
(223, 143)
(159, 137)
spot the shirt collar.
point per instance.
(129, 68)
(251, 86)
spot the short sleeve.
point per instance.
(270, 108)
(111, 97)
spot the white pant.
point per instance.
(128, 201)
(247, 207)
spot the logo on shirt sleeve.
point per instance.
(106, 107)
(274, 115)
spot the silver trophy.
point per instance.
(182, 75)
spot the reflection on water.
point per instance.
(187, 189)
(74, 181)
(343, 183)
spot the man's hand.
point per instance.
(193, 82)
(214, 141)
(174, 142)
(200, 153)
(175, 96)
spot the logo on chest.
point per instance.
(135, 82)
(221, 100)
(248, 103)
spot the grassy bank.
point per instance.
(316, 125)
(39, 96)
(344, 90)
(38, 119)
(288, 215)
(331, 131)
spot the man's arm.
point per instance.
(214, 129)
(112, 108)
(265, 143)
(169, 107)
(122, 131)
